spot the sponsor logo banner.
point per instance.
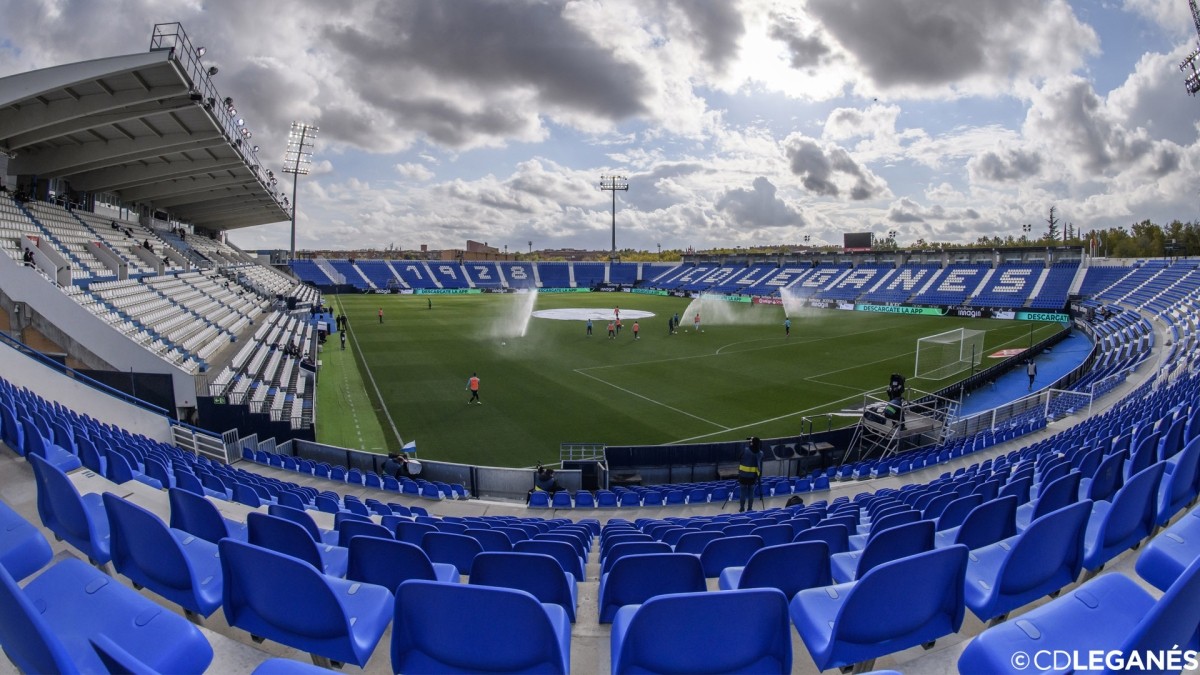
(1042, 316)
(845, 306)
(893, 309)
(1004, 314)
(648, 291)
(564, 290)
(761, 300)
(447, 291)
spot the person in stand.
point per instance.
(589, 328)
(473, 386)
(787, 326)
(380, 315)
(749, 472)
(27, 258)
(696, 322)
(543, 481)
(636, 328)
(146, 245)
(612, 330)
(1031, 371)
(394, 466)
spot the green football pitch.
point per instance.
(405, 379)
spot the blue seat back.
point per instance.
(412, 532)
(266, 587)
(1017, 487)
(1108, 478)
(63, 512)
(194, 514)
(624, 548)
(358, 528)
(561, 551)
(298, 516)
(457, 627)
(1179, 486)
(1171, 624)
(283, 536)
(788, 567)
(989, 522)
(957, 510)
(489, 539)
(740, 631)
(142, 546)
(27, 639)
(635, 578)
(537, 574)
(455, 549)
(1056, 495)
(1134, 507)
(895, 542)
(729, 551)
(387, 562)
(774, 535)
(836, 537)
(1051, 546)
(922, 588)
(694, 542)
(23, 548)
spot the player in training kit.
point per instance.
(696, 322)
(787, 327)
(589, 328)
(612, 330)
(635, 330)
(473, 385)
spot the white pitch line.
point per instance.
(797, 341)
(766, 421)
(650, 400)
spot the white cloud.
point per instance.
(413, 171)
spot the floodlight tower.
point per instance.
(296, 161)
(1192, 82)
(612, 184)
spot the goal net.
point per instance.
(945, 354)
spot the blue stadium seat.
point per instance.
(887, 545)
(1171, 552)
(841, 625)
(463, 628)
(490, 539)
(274, 596)
(80, 521)
(180, 567)
(539, 500)
(46, 626)
(728, 551)
(413, 533)
(356, 528)
(455, 549)
(1179, 485)
(957, 511)
(535, 573)
(789, 567)
(1043, 559)
(836, 537)
(694, 542)
(740, 631)
(624, 548)
(387, 562)
(561, 551)
(288, 537)
(37, 444)
(637, 578)
(194, 514)
(23, 548)
(1054, 496)
(1124, 522)
(1111, 613)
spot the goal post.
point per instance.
(946, 354)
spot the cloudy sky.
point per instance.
(737, 122)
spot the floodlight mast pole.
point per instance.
(297, 160)
(612, 184)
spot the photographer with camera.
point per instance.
(543, 481)
(749, 472)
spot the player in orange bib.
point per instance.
(612, 330)
(473, 385)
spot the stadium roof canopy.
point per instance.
(149, 128)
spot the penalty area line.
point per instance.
(650, 400)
